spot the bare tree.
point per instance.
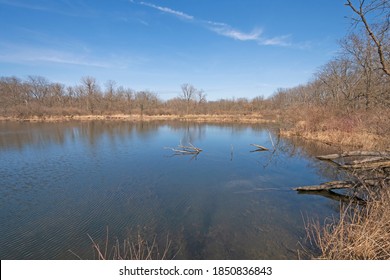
(38, 88)
(146, 100)
(90, 90)
(378, 32)
(127, 96)
(188, 94)
(110, 94)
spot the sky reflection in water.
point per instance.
(60, 182)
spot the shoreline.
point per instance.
(344, 140)
(202, 118)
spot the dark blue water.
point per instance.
(60, 182)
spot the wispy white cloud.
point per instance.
(169, 11)
(27, 54)
(283, 41)
(225, 29)
(228, 31)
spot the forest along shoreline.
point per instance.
(199, 118)
(347, 134)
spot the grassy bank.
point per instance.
(359, 233)
(367, 130)
(217, 118)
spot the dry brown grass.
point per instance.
(360, 233)
(131, 249)
(355, 139)
(366, 130)
(244, 118)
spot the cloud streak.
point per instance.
(22, 55)
(230, 32)
(224, 29)
(168, 11)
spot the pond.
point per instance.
(60, 182)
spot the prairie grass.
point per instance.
(359, 233)
(366, 130)
(131, 248)
(199, 118)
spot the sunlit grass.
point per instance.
(358, 233)
(131, 248)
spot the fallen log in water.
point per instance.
(368, 165)
(328, 186)
(354, 153)
(375, 163)
(336, 196)
(372, 160)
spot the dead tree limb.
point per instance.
(259, 148)
(353, 153)
(182, 150)
(361, 13)
(336, 196)
(328, 186)
(367, 165)
(372, 160)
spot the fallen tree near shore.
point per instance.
(362, 229)
(370, 169)
(370, 160)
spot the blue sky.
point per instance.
(228, 48)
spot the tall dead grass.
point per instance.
(366, 130)
(359, 233)
(131, 248)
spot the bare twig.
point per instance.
(361, 13)
(259, 148)
(181, 149)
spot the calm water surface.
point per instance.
(61, 182)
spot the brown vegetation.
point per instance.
(130, 248)
(361, 129)
(360, 232)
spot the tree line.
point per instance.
(38, 96)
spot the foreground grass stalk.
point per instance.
(360, 232)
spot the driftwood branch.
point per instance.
(328, 186)
(182, 150)
(353, 153)
(336, 196)
(368, 165)
(259, 148)
(362, 160)
(372, 160)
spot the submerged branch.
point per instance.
(183, 150)
(259, 148)
(328, 186)
(335, 196)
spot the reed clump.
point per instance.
(366, 130)
(133, 247)
(359, 233)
